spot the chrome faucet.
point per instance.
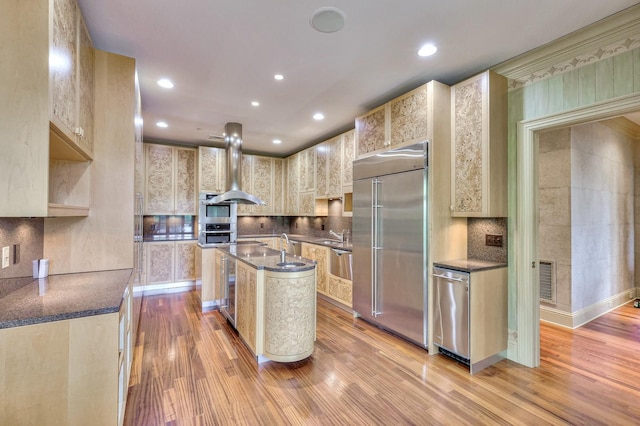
(283, 251)
(339, 236)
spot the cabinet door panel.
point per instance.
(159, 180)
(64, 67)
(262, 177)
(86, 86)
(160, 268)
(185, 269)
(408, 115)
(334, 169)
(185, 182)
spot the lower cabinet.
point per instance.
(331, 286)
(170, 262)
(68, 372)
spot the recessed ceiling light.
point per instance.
(427, 50)
(162, 124)
(277, 141)
(166, 83)
(255, 103)
(318, 116)
(328, 19)
(279, 77)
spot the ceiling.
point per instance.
(223, 54)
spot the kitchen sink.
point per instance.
(331, 242)
(290, 264)
(340, 263)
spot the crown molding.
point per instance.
(624, 126)
(615, 33)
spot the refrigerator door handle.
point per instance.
(374, 248)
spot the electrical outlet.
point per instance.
(16, 254)
(261, 225)
(5, 257)
(493, 240)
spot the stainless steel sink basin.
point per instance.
(340, 263)
(331, 242)
(290, 264)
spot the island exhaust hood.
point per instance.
(234, 193)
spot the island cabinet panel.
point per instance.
(247, 305)
(479, 147)
(340, 289)
(320, 254)
(289, 316)
(170, 181)
(212, 169)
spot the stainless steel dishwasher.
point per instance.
(451, 315)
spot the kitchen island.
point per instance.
(275, 301)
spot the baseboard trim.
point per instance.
(166, 288)
(580, 317)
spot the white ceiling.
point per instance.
(222, 54)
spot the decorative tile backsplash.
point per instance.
(29, 235)
(477, 230)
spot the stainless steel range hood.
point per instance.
(234, 193)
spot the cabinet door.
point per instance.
(246, 304)
(371, 131)
(86, 86)
(262, 180)
(159, 179)
(479, 147)
(246, 176)
(211, 165)
(348, 155)
(306, 170)
(160, 263)
(185, 181)
(185, 268)
(64, 66)
(334, 168)
(293, 205)
(278, 196)
(320, 254)
(408, 117)
(322, 160)
(307, 205)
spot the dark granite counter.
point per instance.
(262, 257)
(469, 265)
(169, 237)
(26, 301)
(327, 242)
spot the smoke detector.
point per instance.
(328, 19)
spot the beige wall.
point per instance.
(586, 205)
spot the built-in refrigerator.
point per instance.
(390, 242)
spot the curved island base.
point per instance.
(275, 306)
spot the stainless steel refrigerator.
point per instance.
(390, 240)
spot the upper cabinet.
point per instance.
(47, 88)
(329, 168)
(71, 65)
(212, 169)
(170, 182)
(401, 121)
(264, 178)
(479, 147)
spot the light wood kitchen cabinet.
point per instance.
(72, 69)
(348, 155)
(372, 131)
(293, 185)
(247, 305)
(479, 147)
(212, 169)
(401, 121)
(263, 177)
(170, 262)
(307, 204)
(321, 255)
(340, 289)
(329, 168)
(307, 170)
(31, 115)
(170, 180)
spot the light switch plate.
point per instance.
(5, 257)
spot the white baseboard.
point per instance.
(584, 315)
(153, 289)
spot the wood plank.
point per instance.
(195, 370)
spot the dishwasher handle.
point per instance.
(460, 280)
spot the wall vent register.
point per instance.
(547, 281)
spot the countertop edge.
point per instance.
(469, 269)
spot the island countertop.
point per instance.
(27, 301)
(262, 257)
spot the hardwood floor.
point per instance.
(192, 369)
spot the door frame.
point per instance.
(527, 283)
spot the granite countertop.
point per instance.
(260, 256)
(26, 301)
(469, 265)
(327, 242)
(169, 237)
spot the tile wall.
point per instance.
(29, 235)
(477, 229)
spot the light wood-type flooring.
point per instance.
(191, 368)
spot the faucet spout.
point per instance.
(339, 236)
(283, 251)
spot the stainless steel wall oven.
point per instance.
(217, 223)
